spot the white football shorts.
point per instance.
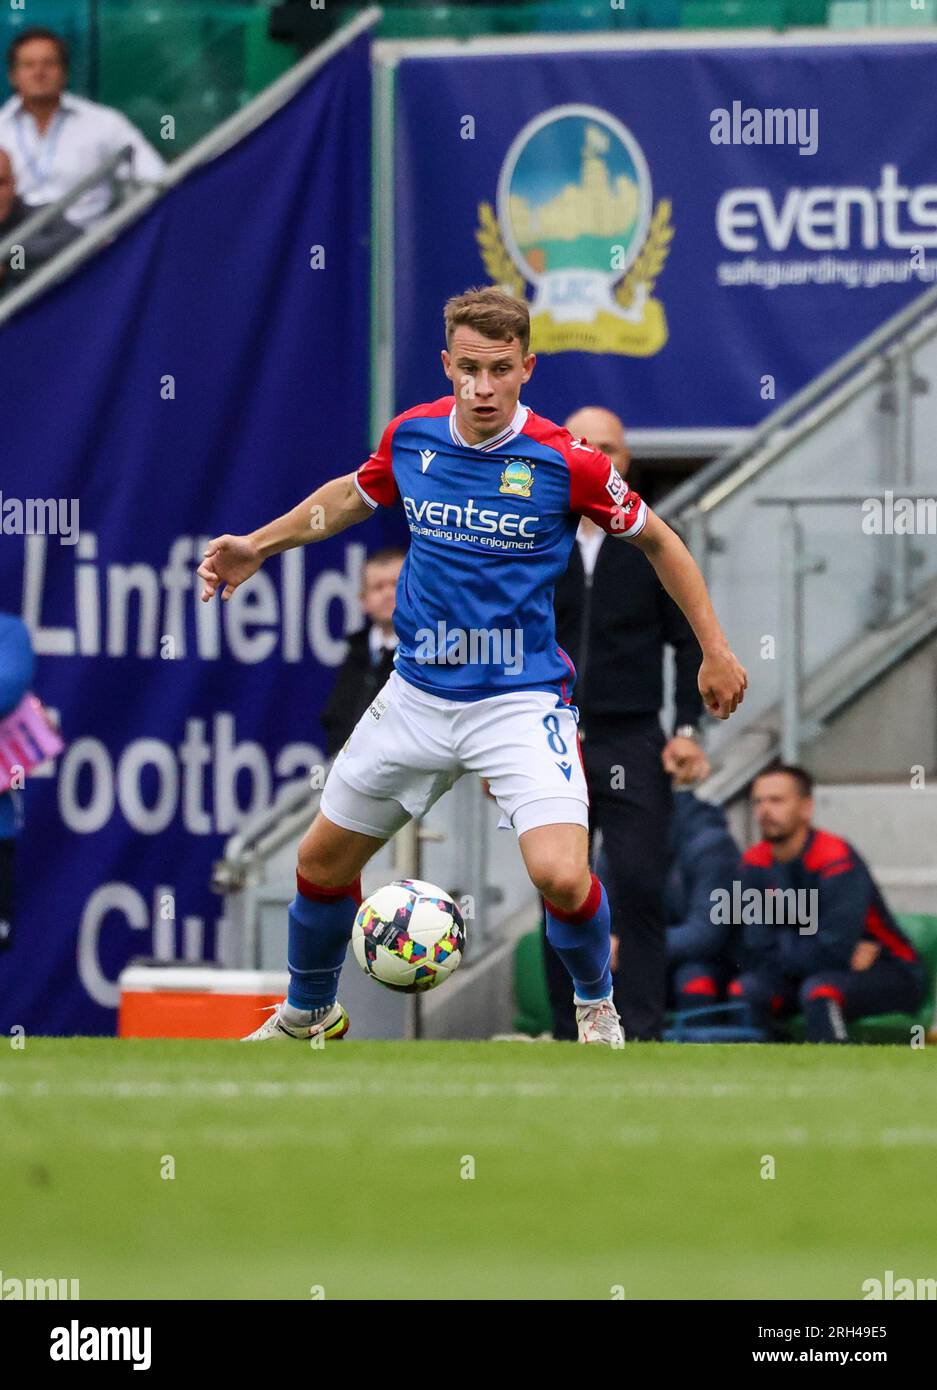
(409, 747)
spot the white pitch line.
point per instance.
(495, 1140)
(129, 1088)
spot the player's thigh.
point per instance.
(525, 745)
(331, 855)
(399, 751)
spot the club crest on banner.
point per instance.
(575, 220)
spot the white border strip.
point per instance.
(150, 979)
(383, 226)
(364, 496)
(391, 51)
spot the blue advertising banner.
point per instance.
(203, 374)
(698, 232)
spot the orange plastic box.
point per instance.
(195, 1002)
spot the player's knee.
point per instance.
(315, 870)
(564, 884)
(324, 870)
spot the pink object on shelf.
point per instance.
(26, 740)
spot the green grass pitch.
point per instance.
(342, 1169)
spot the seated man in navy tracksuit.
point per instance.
(830, 948)
(703, 858)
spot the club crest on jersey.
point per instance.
(517, 478)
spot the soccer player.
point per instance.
(493, 494)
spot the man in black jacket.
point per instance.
(614, 619)
(370, 658)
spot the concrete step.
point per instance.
(895, 831)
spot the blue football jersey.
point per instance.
(491, 527)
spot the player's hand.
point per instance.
(865, 954)
(722, 683)
(685, 761)
(229, 560)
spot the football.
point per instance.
(409, 936)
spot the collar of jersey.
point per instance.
(510, 431)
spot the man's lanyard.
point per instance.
(41, 168)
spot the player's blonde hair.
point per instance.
(491, 312)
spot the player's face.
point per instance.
(486, 377)
(379, 594)
(37, 73)
(779, 808)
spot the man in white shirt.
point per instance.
(55, 139)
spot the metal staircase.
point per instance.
(818, 539)
(801, 534)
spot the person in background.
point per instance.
(832, 948)
(370, 657)
(703, 859)
(615, 620)
(38, 247)
(16, 674)
(55, 139)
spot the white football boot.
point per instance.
(333, 1024)
(598, 1022)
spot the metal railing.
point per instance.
(796, 565)
(808, 408)
(48, 212)
(801, 596)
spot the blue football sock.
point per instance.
(320, 929)
(582, 941)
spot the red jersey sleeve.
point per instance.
(375, 478)
(597, 490)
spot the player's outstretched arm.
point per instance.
(722, 680)
(229, 560)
